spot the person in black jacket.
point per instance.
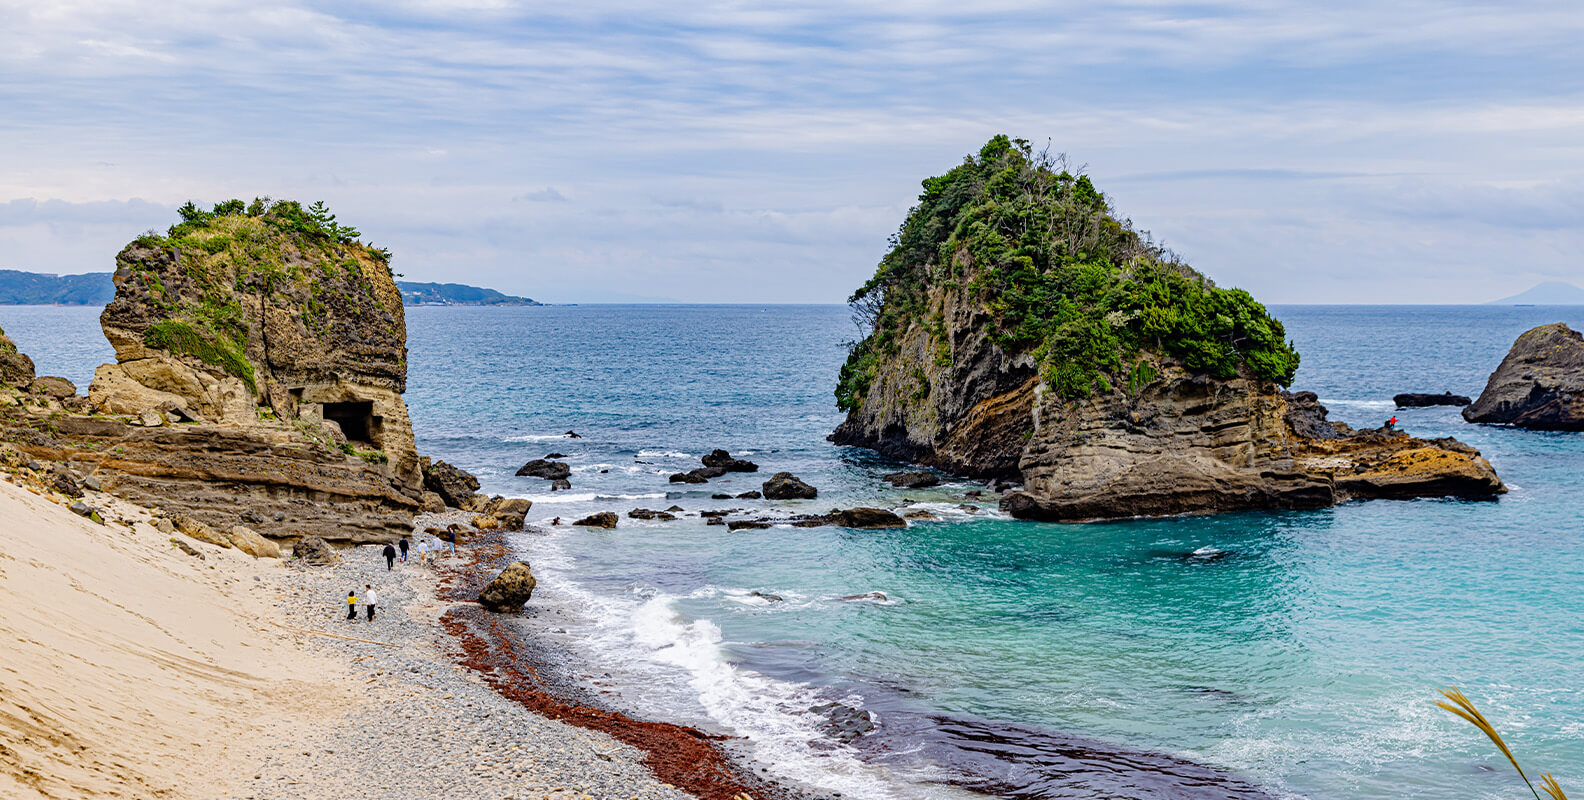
(390, 557)
(403, 544)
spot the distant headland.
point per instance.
(18, 288)
(1550, 293)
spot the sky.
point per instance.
(1336, 152)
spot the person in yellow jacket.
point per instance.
(352, 604)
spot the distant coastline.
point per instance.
(19, 288)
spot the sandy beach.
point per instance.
(135, 670)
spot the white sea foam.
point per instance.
(555, 498)
(664, 454)
(644, 639)
(1380, 404)
(536, 437)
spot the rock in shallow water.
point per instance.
(1540, 384)
(549, 470)
(723, 460)
(786, 486)
(1420, 400)
(914, 479)
(604, 519)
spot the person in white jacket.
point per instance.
(370, 600)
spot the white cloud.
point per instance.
(737, 152)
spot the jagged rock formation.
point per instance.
(1021, 330)
(1540, 384)
(16, 369)
(260, 361)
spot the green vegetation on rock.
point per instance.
(1039, 248)
(184, 338)
(209, 276)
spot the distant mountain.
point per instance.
(1550, 293)
(456, 294)
(44, 289)
(19, 288)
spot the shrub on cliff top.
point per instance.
(1035, 244)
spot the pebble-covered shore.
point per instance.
(426, 728)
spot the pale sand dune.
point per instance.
(130, 669)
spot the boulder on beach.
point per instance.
(314, 550)
(1540, 384)
(786, 486)
(454, 484)
(913, 479)
(510, 589)
(549, 470)
(510, 511)
(249, 541)
(724, 460)
(604, 519)
(1420, 400)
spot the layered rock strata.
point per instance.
(1540, 384)
(260, 363)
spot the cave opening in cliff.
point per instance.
(357, 421)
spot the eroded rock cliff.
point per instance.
(260, 363)
(1540, 384)
(1017, 328)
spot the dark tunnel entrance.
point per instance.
(357, 421)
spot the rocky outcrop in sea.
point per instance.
(1540, 384)
(1050, 342)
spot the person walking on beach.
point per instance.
(370, 599)
(451, 539)
(423, 553)
(403, 544)
(390, 557)
(1391, 424)
(352, 605)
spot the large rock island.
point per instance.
(1540, 384)
(260, 363)
(1018, 329)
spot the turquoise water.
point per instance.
(1299, 651)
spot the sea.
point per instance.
(1292, 654)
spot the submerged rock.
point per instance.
(1419, 400)
(916, 479)
(560, 485)
(858, 518)
(747, 524)
(1540, 384)
(510, 590)
(786, 486)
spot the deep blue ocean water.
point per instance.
(1298, 651)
